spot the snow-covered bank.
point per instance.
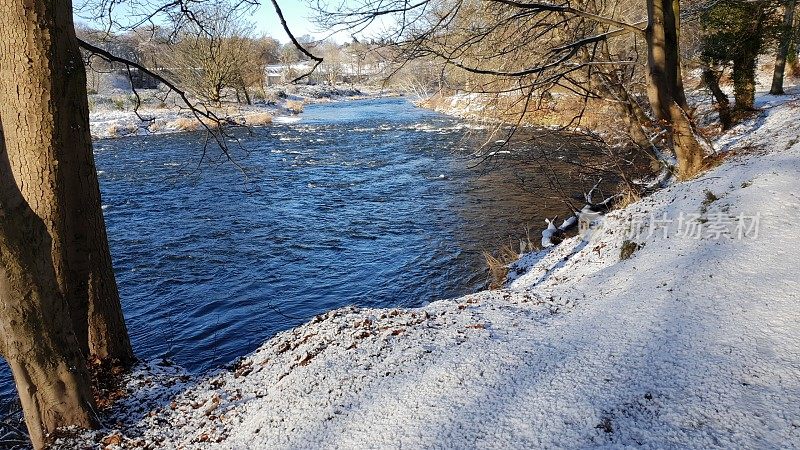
(117, 123)
(114, 116)
(693, 341)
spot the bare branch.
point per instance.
(318, 60)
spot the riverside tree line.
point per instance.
(63, 331)
(217, 56)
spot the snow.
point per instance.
(105, 122)
(690, 342)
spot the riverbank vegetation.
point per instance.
(615, 69)
(613, 64)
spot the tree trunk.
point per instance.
(246, 95)
(744, 67)
(45, 112)
(791, 59)
(711, 79)
(665, 82)
(37, 338)
(665, 85)
(744, 81)
(783, 48)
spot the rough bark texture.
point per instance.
(783, 48)
(744, 67)
(45, 112)
(58, 295)
(36, 336)
(665, 85)
(744, 81)
(792, 61)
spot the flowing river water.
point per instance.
(372, 203)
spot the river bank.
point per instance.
(113, 115)
(689, 338)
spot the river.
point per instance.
(373, 203)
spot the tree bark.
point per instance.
(36, 335)
(45, 112)
(744, 81)
(665, 85)
(246, 95)
(744, 66)
(791, 59)
(783, 48)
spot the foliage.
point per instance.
(734, 34)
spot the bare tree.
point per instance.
(58, 295)
(214, 53)
(540, 47)
(332, 70)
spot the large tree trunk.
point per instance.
(36, 336)
(783, 48)
(45, 112)
(744, 66)
(744, 81)
(665, 85)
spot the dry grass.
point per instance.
(627, 197)
(295, 106)
(117, 130)
(559, 111)
(113, 130)
(258, 119)
(715, 160)
(498, 265)
(185, 124)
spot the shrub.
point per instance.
(119, 103)
(498, 265)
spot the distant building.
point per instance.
(283, 73)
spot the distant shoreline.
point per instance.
(113, 115)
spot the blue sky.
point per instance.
(297, 15)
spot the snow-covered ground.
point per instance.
(110, 123)
(113, 114)
(692, 341)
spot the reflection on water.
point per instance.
(370, 203)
